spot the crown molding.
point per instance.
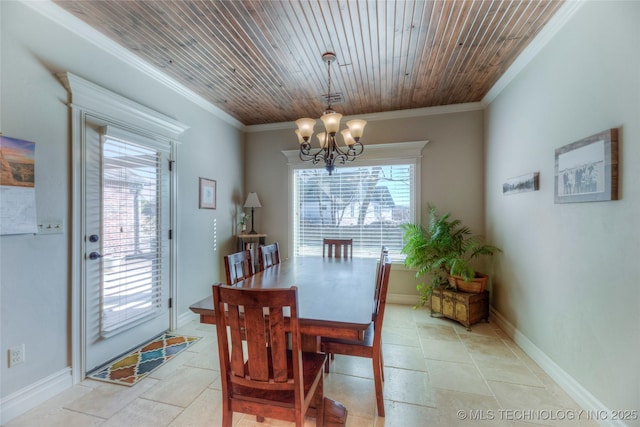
(555, 24)
(61, 17)
(386, 115)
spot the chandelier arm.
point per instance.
(356, 149)
(305, 149)
(342, 158)
(352, 151)
(307, 156)
(321, 156)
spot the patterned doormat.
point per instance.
(134, 366)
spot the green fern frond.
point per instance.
(445, 246)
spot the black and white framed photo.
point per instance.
(587, 170)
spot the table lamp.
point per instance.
(252, 202)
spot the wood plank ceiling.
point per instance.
(260, 61)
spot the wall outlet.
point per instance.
(16, 355)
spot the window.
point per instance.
(132, 244)
(366, 203)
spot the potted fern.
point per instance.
(445, 249)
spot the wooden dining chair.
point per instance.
(238, 266)
(384, 253)
(260, 373)
(337, 248)
(268, 255)
(376, 295)
(371, 346)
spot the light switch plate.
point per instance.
(51, 226)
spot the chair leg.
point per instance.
(378, 374)
(320, 403)
(227, 417)
(326, 365)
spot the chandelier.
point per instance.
(330, 152)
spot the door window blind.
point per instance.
(366, 204)
(132, 247)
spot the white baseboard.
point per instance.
(186, 317)
(33, 395)
(403, 299)
(582, 396)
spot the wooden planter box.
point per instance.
(475, 286)
(465, 308)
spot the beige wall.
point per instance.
(452, 171)
(567, 281)
(452, 175)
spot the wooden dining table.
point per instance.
(335, 299)
(335, 295)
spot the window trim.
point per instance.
(376, 154)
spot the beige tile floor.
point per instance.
(436, 374)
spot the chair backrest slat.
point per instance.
(256, 334)
(238, 266)
(269, 255)
(337, 248)
(236, 362)
(278, 346)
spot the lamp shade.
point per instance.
(305, 127)
(348, 139)
(331, 122)
(322, 139)
(357, 128)
(252, 201)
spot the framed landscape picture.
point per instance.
(522, 183)
(207, 193)
(587, 170)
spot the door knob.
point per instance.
(94, 238)
(94, 255)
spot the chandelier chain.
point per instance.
(329, 85)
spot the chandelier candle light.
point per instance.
(329, 150)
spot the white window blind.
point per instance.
(366, 204)
(131, 243)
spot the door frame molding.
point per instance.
(88, 98)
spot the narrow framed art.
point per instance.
(587, 170)
(522, 183)
(207, 193)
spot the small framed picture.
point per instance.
(207, 193)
